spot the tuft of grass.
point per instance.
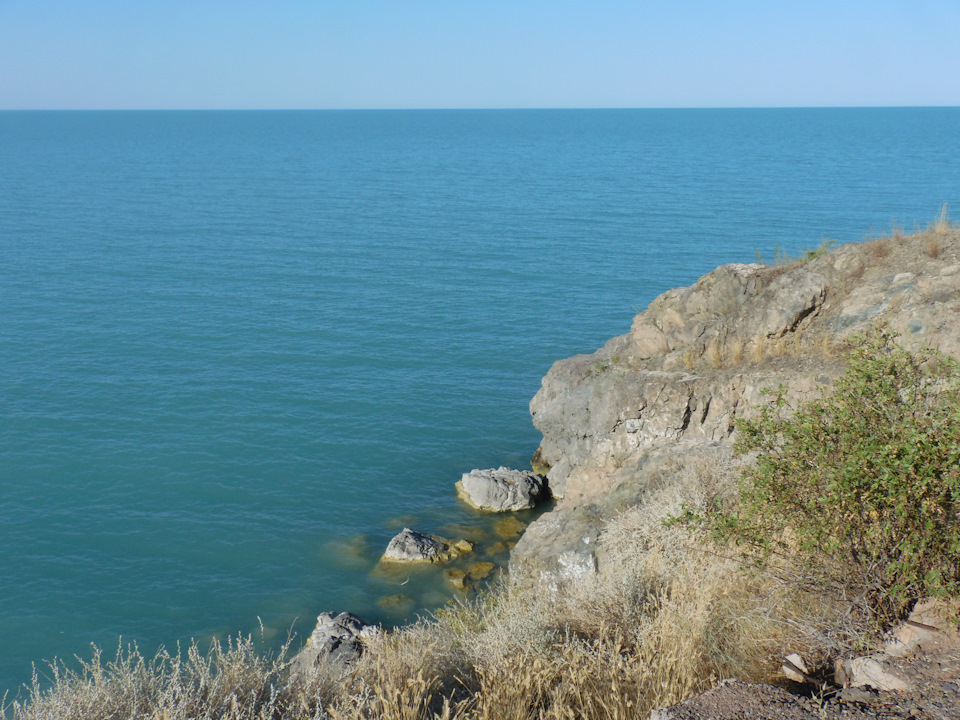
(736, 352)
(826, 347)
(878, 249)
(931, 246)
(823, 248)
(941, 226)
(713, 355)
(781, 258)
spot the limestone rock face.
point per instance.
(336, 642)
(669, 391)
(501, 490)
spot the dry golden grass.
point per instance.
(713, 355)
(230, 681)
(878, 249)
(736, 352)
(758, 350)
(826, 347)
(932, 246)
(941, 226)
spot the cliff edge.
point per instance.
(622, 421)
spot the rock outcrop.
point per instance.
(501, 490)
(336, 642)
(638, 410)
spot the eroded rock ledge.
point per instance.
(629, 416)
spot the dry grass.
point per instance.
(941, 226)
(713, 355)
(878, 249)
(736, 352)
(758, 350)
(932, 246)
(231, 681)
(826, 347)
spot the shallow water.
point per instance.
(240, 350)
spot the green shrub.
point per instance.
(860, 490)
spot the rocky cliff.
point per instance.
(626, 418)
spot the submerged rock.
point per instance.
(337, 641)
(509, 528)
(398, 603)
(501, 490)
(457, 578)
(480, 570)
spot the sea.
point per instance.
(240, 350)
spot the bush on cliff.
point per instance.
(861, 489)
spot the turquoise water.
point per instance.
(238, 350)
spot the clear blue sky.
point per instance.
(486, 53)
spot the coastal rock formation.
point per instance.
(336, 642)
(636, 412)
(501, 490)
(412, 546)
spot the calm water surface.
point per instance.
(239, 350)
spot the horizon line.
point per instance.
(483, 109)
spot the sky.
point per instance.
(356, 54)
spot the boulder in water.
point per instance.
(412, 546)
(501, 490)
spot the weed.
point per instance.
(713, 355)
(932, 246)
(878, 249)
(941, 226)
(736, 352)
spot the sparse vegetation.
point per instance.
(736, 352)
(878, 249)
(860, 490)
(713, 354)
(783, 258)
(932, 246)
(941, 226)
